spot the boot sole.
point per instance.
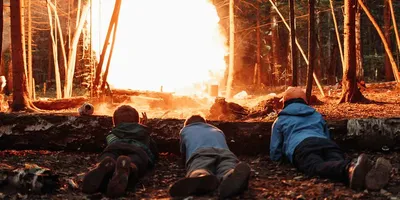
(235, 183)
(119, 182)
(194, 186)
(379, 175)
(357, 181)
(94, 179)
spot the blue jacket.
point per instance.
(201, 135)
(296, 122)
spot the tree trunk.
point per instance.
(21, 100)
(350, 91)
(275, 46)
(1, 31)
(231, 68)
(396, 30)
(55, 54)
(311, 47)
(386, 30)
(258, 65)
(359, 49)
(337, 32)
(385, 43)
(293, 60)
(73, 49)
(30, 72)
(99, 69)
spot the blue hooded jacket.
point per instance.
(201, 135)
(296, 122)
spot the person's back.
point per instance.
(130, 152)
(201, 135)
(297, 121)
(209, 162)
(301, 135)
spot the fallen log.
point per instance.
(60, 104)
(87, 133)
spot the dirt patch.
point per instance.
(268, 181)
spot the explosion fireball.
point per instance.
(174, 44)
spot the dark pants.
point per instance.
(321, 157)
(215, 160)
(137, 155)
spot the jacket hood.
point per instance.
(297, 109)
(128, 130)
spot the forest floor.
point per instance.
(268, 181)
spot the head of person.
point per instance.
(125, 114)
(194, 119)
(294, 93)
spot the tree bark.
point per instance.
(386, 31)
(359, 49)
(257, 75)
(30, 72)
(21, 100)
(337, 32)
(1, 31)
(115, 22)
(293, 60)
(385, 43)
(275, 48)
(231, 68)
(350, 91)
(55, 53)
(99, 69)
(73, 49)
(396, 30)
(311, 47)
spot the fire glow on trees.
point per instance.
(174, 44)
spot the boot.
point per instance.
(357, 172)
(199, 182)
(235, 181)
(379, 175)
(98, 176)
(119, 182)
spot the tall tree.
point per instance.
(386, 30)
(1, 31)
(30, 75)
(350, 91)
(359, 50)
(231, 48)
(311, 47)
(293, 63)
(21, 99)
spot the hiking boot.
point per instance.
(357, 172)
(379, 175)
(236, 182)
(119, 182)
(194, 186)
(98, 176)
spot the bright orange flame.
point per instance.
(176, 44)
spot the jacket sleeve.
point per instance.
(276, 142)
(153, 148)
(326, 129)
(183, 150)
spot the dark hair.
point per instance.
(125, 113)
(193, 119)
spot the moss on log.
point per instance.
(70, 132)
